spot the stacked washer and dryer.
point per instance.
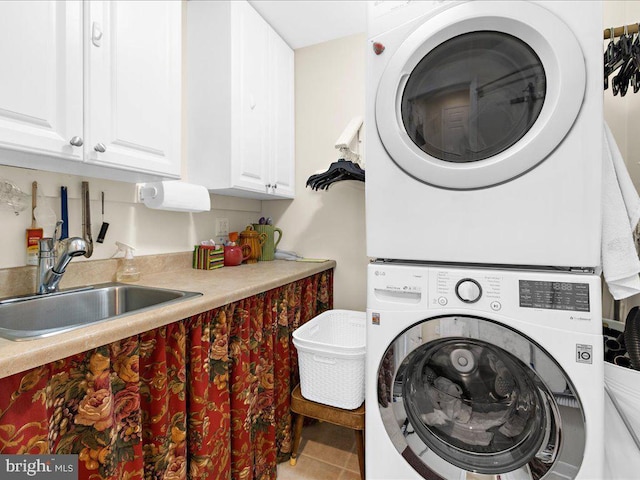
(484, 327)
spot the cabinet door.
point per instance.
(281, 126)
(250, 102)
(41, 82)
(133, 85)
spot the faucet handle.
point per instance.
(56, 232)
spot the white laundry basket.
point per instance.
(331, 351)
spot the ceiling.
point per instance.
(306, 22)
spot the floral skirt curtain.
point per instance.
(203, 398)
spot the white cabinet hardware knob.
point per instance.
(76, 141)
(100, 148)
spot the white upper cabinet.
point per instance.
(282, 117)
(41, 81)
(133, 108)
(250, 98)
(94, 82)
(240, 102)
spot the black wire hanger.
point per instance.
(348, 166)
(623, 57)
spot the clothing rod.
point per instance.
(619, 31)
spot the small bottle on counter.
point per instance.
(128, 270)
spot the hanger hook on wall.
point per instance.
(349, 165)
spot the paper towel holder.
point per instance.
(174, 196)
(146, 192)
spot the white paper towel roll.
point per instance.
(176, 196)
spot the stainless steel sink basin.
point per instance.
(38, 316)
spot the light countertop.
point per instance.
(218, 287)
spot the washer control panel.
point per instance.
(456, 288)
(546, 298)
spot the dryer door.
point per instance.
(480, 94)
(490, 402)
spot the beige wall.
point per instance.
(149, 231)
(329, 223)
(621, 114)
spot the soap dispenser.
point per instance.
(127, 271)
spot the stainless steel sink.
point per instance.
(38, 316)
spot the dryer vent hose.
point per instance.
(632, 336)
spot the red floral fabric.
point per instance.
(203, 398)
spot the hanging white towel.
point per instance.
(620, 214)
(622, 457)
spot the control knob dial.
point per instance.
(468, 290)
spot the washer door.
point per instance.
(484, 399)
(480, 94)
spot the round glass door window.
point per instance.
(473, 96)
(471, 402)
(493, 402)
(478, 95)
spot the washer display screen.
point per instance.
(554, 295)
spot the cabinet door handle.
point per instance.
(268, 185)
(76, 141)
(100, 148)
(96, 34)
(275, 185)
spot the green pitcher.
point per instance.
(270, 244)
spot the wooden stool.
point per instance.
(353, 419)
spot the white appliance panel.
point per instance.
(554, 319)
(535, 203)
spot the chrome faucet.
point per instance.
(53, 259)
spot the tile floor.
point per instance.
(327, 452)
